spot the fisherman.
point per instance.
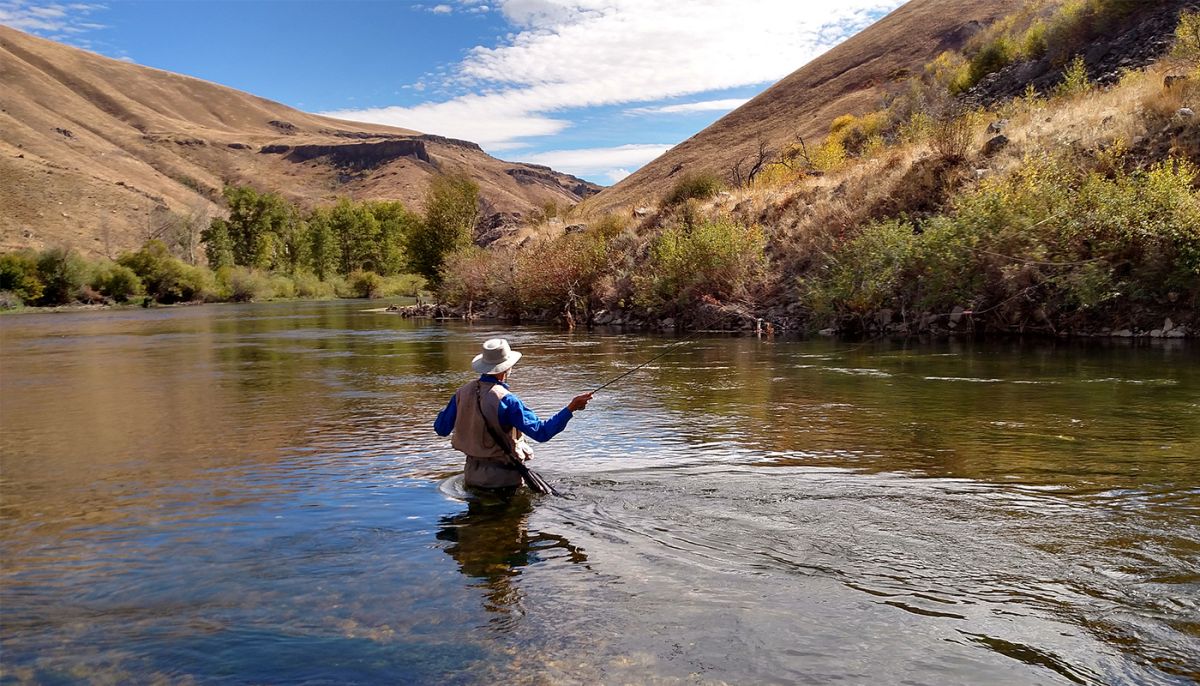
(485, 407)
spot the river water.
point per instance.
(254, 494)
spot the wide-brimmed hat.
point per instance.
(496, 357)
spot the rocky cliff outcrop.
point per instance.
(1140, 39)
(354, 155)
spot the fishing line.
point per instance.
(707, 301)
(659, 356)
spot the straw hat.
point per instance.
(496, 357)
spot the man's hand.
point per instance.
(579, 402)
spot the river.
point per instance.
(254, 494)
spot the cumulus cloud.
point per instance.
(53, 20)
(572, 54)
(723, 105)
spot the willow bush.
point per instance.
(19, 276)
(693, 186)
(116, 282)
(720, 259)
(1052, 235)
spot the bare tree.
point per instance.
(180, 231)
(750, 166)
(795, 156)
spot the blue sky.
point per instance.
(592, 87)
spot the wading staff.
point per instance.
(532, 479)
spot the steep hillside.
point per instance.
(1072, 209)
(851, 78)
(99, 154)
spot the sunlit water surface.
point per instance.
(254, 494)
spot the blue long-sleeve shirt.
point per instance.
(513, 413)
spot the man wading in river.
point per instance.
(484, 408)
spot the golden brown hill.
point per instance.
(100, 154)
(852, 78)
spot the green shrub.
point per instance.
(1033, 41)
(196, 284)
(608, 225)
(1187, 38)
(365, 284)
(720, 259)
(403, 284)
(830, 156)
(950, 72)
(857, 134)
(868, 273)
(19, 275)
(1052, 237)
(116, 282)
(242, 284)
(62, 273)
(167, 279)
(309, 286)
(341, 287)
(694, 185)
(282, 286)
(1075, 79)
(993, 57)
(918, 127)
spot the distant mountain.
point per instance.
(852, 78)
(98, 153)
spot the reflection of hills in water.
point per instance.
(186, 396)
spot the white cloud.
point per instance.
(570, 54)
(48, 18)
(617, 175)
(441, 9)
(692, 107)
(595, 162)
(493, 122)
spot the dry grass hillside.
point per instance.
(1071, 209)
(851, 78)
(99, 154)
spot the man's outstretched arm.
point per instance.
(514, 413)
(444, 423)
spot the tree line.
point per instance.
(264, 231)
(266, 247)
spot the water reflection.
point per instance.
(491, 543)
(248, 492)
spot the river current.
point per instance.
(254, 494)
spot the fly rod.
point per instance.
(668, 351)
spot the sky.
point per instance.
(596, 88)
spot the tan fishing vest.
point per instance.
(470, 433)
